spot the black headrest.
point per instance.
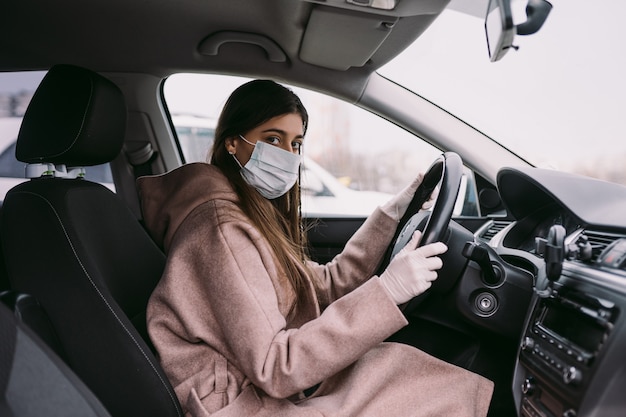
(76, 118)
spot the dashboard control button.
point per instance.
(572, 375)
(528, 343)
(528, 386)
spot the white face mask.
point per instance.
(271, 170)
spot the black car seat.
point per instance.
(34, 381)
(77, 248)
(28, 312)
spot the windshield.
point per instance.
(558, 101)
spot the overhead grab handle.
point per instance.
(211, 44)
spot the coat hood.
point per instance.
(167, 199)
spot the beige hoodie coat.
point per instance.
(218, 319)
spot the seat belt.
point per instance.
(141, 155)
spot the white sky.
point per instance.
(561, 96)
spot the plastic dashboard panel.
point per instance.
(571, 355)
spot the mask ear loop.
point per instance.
(247, 141)
(235, 158)
(233, 153)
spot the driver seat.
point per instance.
(77, 248)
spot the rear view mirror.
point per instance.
(499, 29)
(502, 23)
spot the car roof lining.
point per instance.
(126, 38)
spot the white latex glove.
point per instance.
(412, 270)
(396, 207)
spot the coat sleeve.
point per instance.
(359, 260)
(233, 268)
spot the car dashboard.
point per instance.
(569, 233)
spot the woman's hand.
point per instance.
(413, 269)
(396, 207)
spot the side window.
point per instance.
(353, 160)
(9, 166)
(195, 135)
(16, 91)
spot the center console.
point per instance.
(561, 350)
(572, 355)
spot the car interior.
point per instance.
(532, 291)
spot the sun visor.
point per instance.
(329, 39)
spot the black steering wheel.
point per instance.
(446, 171)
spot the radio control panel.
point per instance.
(559, 351)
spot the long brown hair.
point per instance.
(279, 220)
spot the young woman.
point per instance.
(245, 324)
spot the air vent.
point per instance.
(599, 241)
(493, 229)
